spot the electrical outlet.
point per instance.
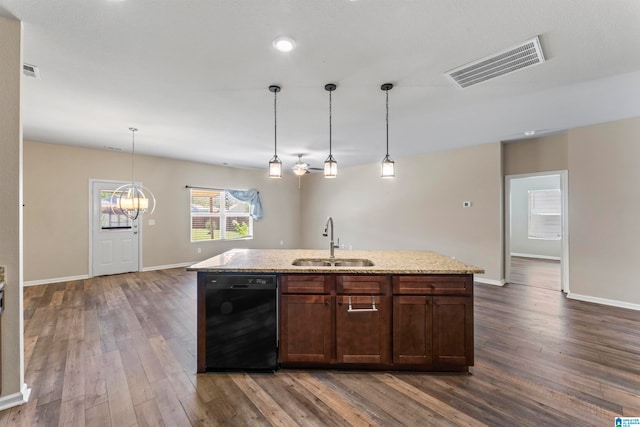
(199, 250)
(152, 222)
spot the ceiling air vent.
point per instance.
(31, 71)
(515, 58)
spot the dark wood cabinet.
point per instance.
(433, 321)
(363, 319)
(412, 330)
(453, 331)
(422, 322)
(307, 331)
(306, 328)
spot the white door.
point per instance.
(115, 240)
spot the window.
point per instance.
(216, 215)
(111, 218)
(545, 214)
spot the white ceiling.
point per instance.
(193, 75)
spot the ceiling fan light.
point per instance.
(275, 167)
(299, 170)
(388, 167)
(330, 167)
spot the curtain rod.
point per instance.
(205, 188)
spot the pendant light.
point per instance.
(330, 165)
(275, 165)
(388, 165)
(132, 200)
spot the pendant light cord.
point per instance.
(330, 123)
(275, 123)
(387, 92)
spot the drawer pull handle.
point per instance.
(362, 310)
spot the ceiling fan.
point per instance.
(301, 168)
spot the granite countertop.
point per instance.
(385, 262)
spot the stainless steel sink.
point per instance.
(311, 263)
(353, 263)
(327, 262)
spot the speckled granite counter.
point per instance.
(385, 262)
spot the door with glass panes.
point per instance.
(115, 239)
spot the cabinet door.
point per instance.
(306, 330)
(453, 331)
(363, 329)
(412, 330)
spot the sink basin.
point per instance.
(353, 263)
(312, 263)
(327, 262)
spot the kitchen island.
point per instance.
(393, 310)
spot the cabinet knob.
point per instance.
(326, 302)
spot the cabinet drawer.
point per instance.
(433, 285)
(362, 285)
(305, 284)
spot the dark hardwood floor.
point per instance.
(542, 273)
(120, 350)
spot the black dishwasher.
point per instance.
(241, 316)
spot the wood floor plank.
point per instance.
(72, 413)
(442, 409)
(168, 403)
(350, 415)
(120, 402)
(98, 415)
(148, 414)
(95, 383)
(74, 372)
(274, 414)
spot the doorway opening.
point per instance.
(536, 230)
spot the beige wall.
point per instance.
(604, 202)
(420, 209)
(549, 153)
(10, 203)
(56, 194)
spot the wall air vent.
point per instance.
(31, 71)
(524, 55)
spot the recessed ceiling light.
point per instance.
(284, 44)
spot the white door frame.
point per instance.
(564, 191)
(91, 218)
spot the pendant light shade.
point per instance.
(388, 165)
(132, 200)
(275, 165)
(330, 165)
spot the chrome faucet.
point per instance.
(331, 245)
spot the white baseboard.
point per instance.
(55, 280)
(555, 258)
(85, 276)
(604, 301)
(15, 399)
(166, 267)
(500, 282)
